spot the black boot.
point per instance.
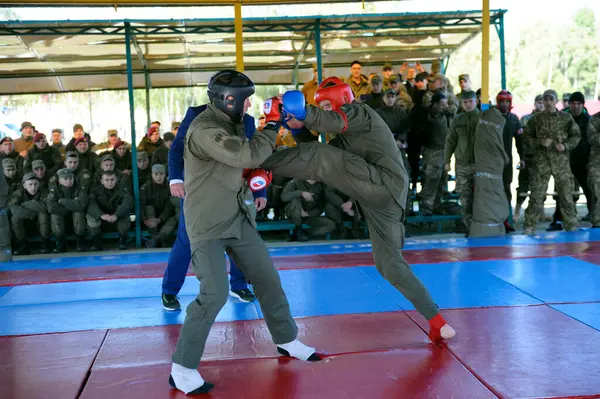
(46, 247)
(21, 249)
(60, 245)
(96, 244)
(80, 243)
(150, 243)
(123, 242)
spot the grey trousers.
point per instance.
(356, 178)
(208, 260)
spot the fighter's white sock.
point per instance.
(298, 350)
(188, 380)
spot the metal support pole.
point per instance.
(318, 50)
(445, 62)
(239, 39)
(134, 168)
(502, 52)
(148, 86)
(319, 63)
(485, 54)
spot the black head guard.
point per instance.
(228, 90)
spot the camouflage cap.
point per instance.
(465, 77)
(550, 93)
(64, 173)
(566, 96)
(38, 163)
(159, 168)
(539, 97)
(72, 154)
(112, 132)
(9, 163)
(375, 79)
(107, 157)
(387, 66)
(394, 78)
(26, 124)
(28, 176)
(390, 91)
(6, 139)
(142, 155)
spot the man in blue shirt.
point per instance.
(180, 256)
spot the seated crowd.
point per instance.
(83, 189)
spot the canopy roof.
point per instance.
(51, 56)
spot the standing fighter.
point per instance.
(368, 167)
(217, 217)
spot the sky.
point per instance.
(519, 11)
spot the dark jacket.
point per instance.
(433, 129)
(148, 146)
(60, 147)
(53, 161)
(116, 201)
(157, 196)
(124, 162)
(160, 156)
(373, 100)
(26, 206)
(397, 120)
(19, 160)
(89, 161)
(4, 190)
(62, 200)
(513, 128)
(581, 153)
(461, 138)
(71, 143)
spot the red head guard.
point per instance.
(335, 91)
(504, 95)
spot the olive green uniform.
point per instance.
(116, 202)
(296, 203)
(155, 201)
(26, 208)
(65, 202)
(369, 168)
(218, 216)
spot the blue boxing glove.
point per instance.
(294, 105)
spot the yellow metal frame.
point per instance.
(485, 53)
(239, 39)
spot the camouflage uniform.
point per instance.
(593, 135)
(460, 141)
(360, 88)
(560, 127)
(453, 103)
(524, 173)
(64, 202)
(26, 208)
(434, 131)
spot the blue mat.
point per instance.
(588, 313)
(457, 285)
(552, 280)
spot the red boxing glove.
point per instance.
(272, 110)
(258, 179)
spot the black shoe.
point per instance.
(151, 243)
(555, 227)
(60, 246)
(22, 249)
(80, 244)
(170, 302)
(123, 242)
(244, 295)
(302, 236)
(46, 248)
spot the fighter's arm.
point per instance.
(214, 142)
(348, 118)
(574, 134)
(54, 206)
(15, 205)
(519, 138)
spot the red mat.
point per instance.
(14, 277)
(49, 366)
(526, 352)
(412, 373)
(251, 339)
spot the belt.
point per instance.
(488, 224)
(488, 175)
